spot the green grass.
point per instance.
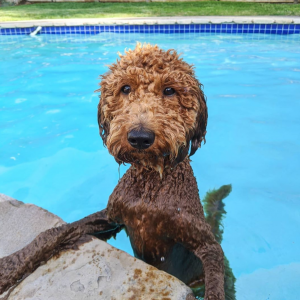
(151, 9)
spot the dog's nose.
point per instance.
(141, 139)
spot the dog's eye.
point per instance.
(126, 89)
(168, 91)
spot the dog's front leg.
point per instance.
(212, 258)
(198, 238)
(18, 265)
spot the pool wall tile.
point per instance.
(163, 28)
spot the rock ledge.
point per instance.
(95, 271)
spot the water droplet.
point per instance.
(178, 209)
(162, 258)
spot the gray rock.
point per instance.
(98, 271)
(20, 223)
(95, 271)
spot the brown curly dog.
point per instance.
(151, 112)
(151, 109)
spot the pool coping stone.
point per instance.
(155, 20)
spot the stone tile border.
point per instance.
(154, 20)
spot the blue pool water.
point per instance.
(51, 153)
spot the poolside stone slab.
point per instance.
(156, 20)
(95, 271)
(99, 271)
(20, 223)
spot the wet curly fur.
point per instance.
(157, 199)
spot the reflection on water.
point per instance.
(52, 155)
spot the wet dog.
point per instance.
(152, 114)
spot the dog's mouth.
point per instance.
(139, 156)
(143, 159)
(146, 159)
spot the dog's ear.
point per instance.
(199, 132)
(102, 122)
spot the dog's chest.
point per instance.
(147, 221)
(152, 208)
(146, 199)
(144, 207)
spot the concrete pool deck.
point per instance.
(155, 20)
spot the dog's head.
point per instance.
(151, 109)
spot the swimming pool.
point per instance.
(52, 155)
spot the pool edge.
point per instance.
(154, 21)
